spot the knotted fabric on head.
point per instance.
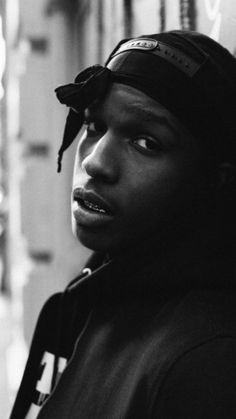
(90, 85)
(191, 75)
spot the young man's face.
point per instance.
(137, 172)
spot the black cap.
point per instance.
(187, 72)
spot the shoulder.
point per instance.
(198, 351)
(213, 309)
(46, 322)
(51, 304)
(50, 310)
(190, 321)
(201, 382)
(205, 313)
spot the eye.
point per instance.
(147, 145)
(94, 128)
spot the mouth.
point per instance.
(89, 208)
(87, 205)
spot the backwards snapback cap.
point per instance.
(188, 73)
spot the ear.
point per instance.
(226, 175)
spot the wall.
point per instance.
(53, 254)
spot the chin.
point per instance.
(92, 239)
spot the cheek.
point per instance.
(161, 191)
(76, 164)
(80, 149)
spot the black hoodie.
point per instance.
(135, 338)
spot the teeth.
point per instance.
(94, 207)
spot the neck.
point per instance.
(198, 255)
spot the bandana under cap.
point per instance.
(190, 74)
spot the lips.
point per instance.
(92, 201)
(90, 209)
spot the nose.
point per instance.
(101, 160)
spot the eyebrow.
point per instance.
(151, 114)
(139, 110)
(146, 114)
(141, 114)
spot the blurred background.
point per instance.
(43, 44)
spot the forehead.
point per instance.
(129, 103)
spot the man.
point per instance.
(148, 330)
